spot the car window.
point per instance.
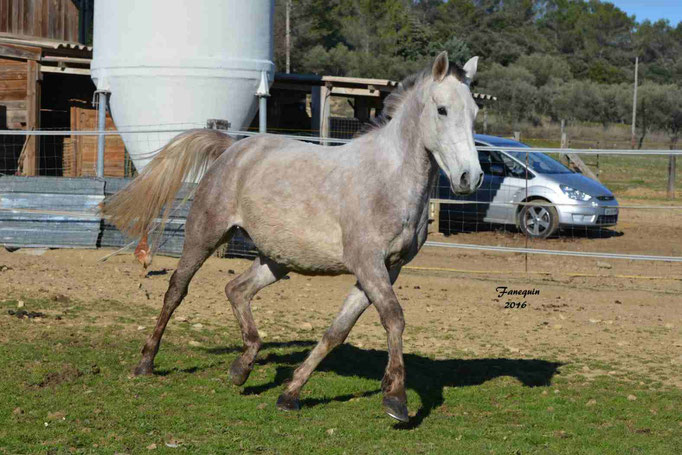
(513, 168)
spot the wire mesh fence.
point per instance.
(531, 214)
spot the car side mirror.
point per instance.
(497, 169)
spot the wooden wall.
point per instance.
(13, 86)
(80, 152)
(53, 19)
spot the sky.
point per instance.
(652, 9)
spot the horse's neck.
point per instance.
(416, 168)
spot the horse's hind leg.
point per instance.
(199, 245)
(240, 291)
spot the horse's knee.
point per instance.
(392, 317)
(333, 338)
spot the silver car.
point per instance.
(538, 197)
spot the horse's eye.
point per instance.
(442, 111)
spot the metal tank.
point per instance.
(173, 64)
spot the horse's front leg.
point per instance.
(355, 304)
(376, 283)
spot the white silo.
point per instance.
(178, 63)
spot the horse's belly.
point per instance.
(306, 246)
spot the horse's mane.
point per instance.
(393, 101)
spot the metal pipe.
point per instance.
(262, 114)
(101, 127)
(263, 92)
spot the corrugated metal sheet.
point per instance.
(20, 226)
(74, 222)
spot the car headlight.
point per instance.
(575, 194)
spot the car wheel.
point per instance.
(539, 220)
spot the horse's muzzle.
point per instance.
(466, 184)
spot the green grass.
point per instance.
(72, 386)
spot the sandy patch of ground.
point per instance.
(627, 317)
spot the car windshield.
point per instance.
(541, 163)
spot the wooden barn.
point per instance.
(45, 82)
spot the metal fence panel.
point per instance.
(75, 222)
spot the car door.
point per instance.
(514, 183)
(489, 194)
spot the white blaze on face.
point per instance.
(448, 125)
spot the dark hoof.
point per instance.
(288, 403)
(396, 409)
(143, 369)
(239, 374)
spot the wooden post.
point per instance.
(671, 176)
(517, 136)
(325, 92)
(434, 216)
(31, 163)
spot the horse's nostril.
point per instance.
(480, 180)
(464, 181)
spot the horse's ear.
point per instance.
(470, 69)
(441, 66)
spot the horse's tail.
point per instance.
(185, 157)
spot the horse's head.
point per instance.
(447, 123)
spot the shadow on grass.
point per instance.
(427, 377)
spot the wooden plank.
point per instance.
(580, 164)
(45, 18)
(15, 105)
(60, 19)
(51, 22)
(65, 70)
(12, 95)
(16, 119)
(27, 18)
(86, 146)
(73, 17)
(14, 16)
(32, 160)
(6, 62)
(21, 52)
(55, 58)
(9, 85)
(12, 73)
(20, 18)
(37, 17)
(4, 15)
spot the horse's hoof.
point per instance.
(396, 409)
(143, 369)
(288, 403)
(238, 374)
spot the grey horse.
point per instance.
(360, 208)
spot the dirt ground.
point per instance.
(605, 317)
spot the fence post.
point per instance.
(517, 136)
(263, 92)
(325, 93)
(101, 127)
(671, 176)
(30, 161)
